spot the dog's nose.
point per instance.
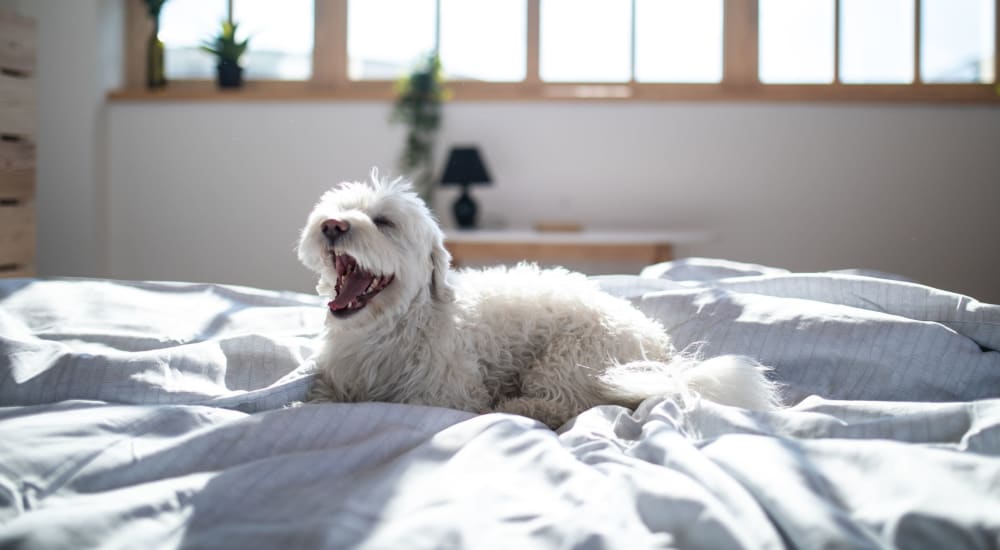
(334, 228)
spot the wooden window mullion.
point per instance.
(996, 44)
(740, 45)
(836, 42)
(329, 43)
(532, 75)
(138, 25)
(437, 28)
(632, 46)
(917, 53)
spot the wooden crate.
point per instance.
(18, 116)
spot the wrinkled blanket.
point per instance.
(145, 414)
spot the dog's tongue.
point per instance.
(354, 285)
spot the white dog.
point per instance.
(546, 344)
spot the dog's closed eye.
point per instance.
(383, 222)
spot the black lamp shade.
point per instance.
(465, 167)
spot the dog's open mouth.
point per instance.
(355, 286)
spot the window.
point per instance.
(481, 40)
(280, 33)
(586, 40)
(957, 41)
(279, 47)
(876, 38)
(484, 40)
(184, 25)
(796, 41)
(380, 47)
(911, 50)
(877, 41)
(678, 40)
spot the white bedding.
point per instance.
(153, 415)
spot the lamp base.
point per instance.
(465, 210)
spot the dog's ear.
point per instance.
(441, 291)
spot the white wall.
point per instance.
(217, 192)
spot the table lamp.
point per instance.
(465, 167)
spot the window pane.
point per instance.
(796, 41)
(383, 47)
(484, 39)
(184, 25)
(678, 40)
(876, 41)
(957, 40)
(585, 40)
(281, 37)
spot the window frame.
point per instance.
(740, 80)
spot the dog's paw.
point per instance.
(322, 391)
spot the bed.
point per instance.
(158, 414)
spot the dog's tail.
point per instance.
(733, 380)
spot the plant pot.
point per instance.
(230, 75)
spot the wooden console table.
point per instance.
(504, 246)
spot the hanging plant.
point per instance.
(418, 106)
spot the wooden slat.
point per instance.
(18, 43)
(17, 186)
(15, 271)
(18, 112)
(16, 155)
(17, 233)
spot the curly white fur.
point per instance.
(544, 343)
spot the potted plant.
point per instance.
(229, 51)
(418, 106)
